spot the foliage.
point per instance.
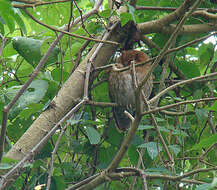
(91, 140)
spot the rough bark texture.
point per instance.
(71, 91)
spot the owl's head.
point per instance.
(132, 55)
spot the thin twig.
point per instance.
(158, 131)
(52, 157)
(180, 83)
(78, 56)
(152, 59)
(68, 33)
(21, 91)
(86, 82)
(71, 18)
(19, 166)
(5, 178)
(30, 4)
(169, 43)
(177, 113)
(207, 151)
(179, 103)
(82, 21)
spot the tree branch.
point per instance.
(172, 9)
(180, 83)
(179, 103)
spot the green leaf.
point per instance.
(202, 114)
(179, 132)
(73, 121)
(76, 146)
(206, 53)
(206, 186)
(132, 11)
(5, 166)
(30, 110)
(105, 13)
(7, 16)
(175, 148)
(8, 160)
(125, 18)
(197, 94)
(75, 48)
(56, 74)
(45, 152)
(10, 16)
(215, 57)
(133, 154)
(114, 137)
(205, 143)
(2, 29)
(105, 156)
(60, 182)
(93, 135)
(19, 21)
(9, 21)
(158, 170)
(214, 182)
(146, 127)
(34, 93)
(213, 107)
(137, 140)
(30, 50)
(101, 90)
(152, 148)
(190, 69)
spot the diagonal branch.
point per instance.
(178, 104)
(181, 83)
(68, 33)
(169, 42)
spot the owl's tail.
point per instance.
(122, 122)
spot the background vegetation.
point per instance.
(57, 128)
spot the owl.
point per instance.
(121, 88)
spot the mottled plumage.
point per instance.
(121, 86)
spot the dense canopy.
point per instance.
(57, 127)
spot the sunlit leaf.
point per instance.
(152, 148)
(213, 107)
(206, 186)
(125, 18)
(202, 114)
(205, 143)
(93, 135)
(175, 148)
(30, 50)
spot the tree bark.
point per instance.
(71, 92)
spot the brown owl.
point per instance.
(121, 89)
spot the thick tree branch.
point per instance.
(172, 9)
(190, 29)
(127, 172)
(156, 25)
(46, 118)
(164, 25)
(169, 42)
